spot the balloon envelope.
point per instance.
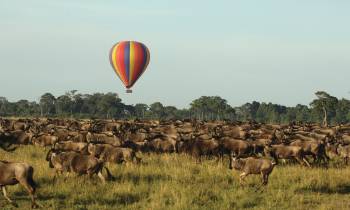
(129, 60)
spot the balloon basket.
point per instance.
(128, 91)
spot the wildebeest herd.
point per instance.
(85, 146)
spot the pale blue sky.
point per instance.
(269, 51)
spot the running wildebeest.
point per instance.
(12, 173)
(77, 163)
(252, 165)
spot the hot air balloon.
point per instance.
(129, 60)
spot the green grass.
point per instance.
(178, 182)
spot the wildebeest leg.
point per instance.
(241, 178)
(109, 175)
(299, 160)
(99, 174)
(306, 162)
(315, 159)
(7, 198)
(55, 177)
(66, 176)
(276, 160)
(218, 158)
(29, 186)
(262, 182)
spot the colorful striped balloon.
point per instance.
(129, 60)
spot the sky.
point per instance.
(242, 50)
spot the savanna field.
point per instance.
(173, 181)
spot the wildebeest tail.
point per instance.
(30, 179)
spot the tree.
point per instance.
(77, 105)
(63, 105)
(211, 108)
(140, 110)
(157, 110)
(71, 95)
(22, 107)
(3, 106)
(170, 112)
(342, 111)
(325, 104)
(248, 111)
(109, 104)
(47, 104)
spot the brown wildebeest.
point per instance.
(161, 145)
(286, 152)
(103, 138)
(80, 147)
(344, 152)
(238, 148)
(21, 137)
(44, 140)
(199, 148)
(252, 165)
(77, 163)
(14, 173)
(314, 148)
(111, 154)
(6, 142)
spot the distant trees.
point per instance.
(47, 105)
(141, 110)
(325, 104)
(211, 108)
(325, 109)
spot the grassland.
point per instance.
(178, 182)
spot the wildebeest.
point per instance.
(238, 148)
(12, 173)
(109, 153)
(75, 162)
(72, 146)
(252, 165)
(103, 138)
(6, 142)
(286, 152)
(199, 148)
(44, 140)
(344, 152)
(314, 148)
(160, 145)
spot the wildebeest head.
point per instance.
(50, 154)
(268, 150)
(6, 142)
(236, 163)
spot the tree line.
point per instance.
(324, 109)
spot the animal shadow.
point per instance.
(325, 189)
(136, 178)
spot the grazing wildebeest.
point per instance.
(238, 148)
(75, 162)
(161, 145)
(252, 165)
(12, 173)
(199, 148)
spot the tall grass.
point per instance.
(178, 182)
